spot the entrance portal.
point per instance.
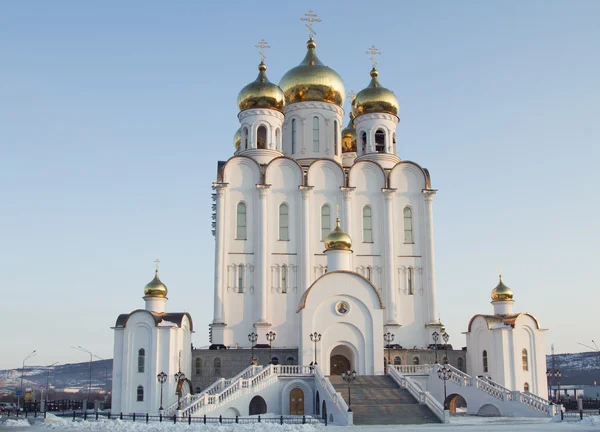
(339, 364)
(296, 402)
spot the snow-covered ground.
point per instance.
(467, 423)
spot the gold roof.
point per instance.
(237, 139)
(338, 239)
(155, 287)
(501, 292)
(375, 99)
(311, 80)
(261, 93)
(349, 137)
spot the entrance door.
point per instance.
(338, 365)
(296, 402)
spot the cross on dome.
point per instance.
(261, 45)
(311, 18)
(373, 51)
(157, 261)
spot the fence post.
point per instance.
(281, 420)
(96, 415)
(580, 414)
(85, 415)
(204, 418)
(259, 418)
(35, 414)
(45, 414)
(121, 416)
(134, 417)
(303, 419)
(25, 414)
(325, 419)
(73, 415)
(562, 415)
(160, 417)
(221, 418)
(237, 420)
(109, 415)
(174, 418)
(147, 418)
(189, 420)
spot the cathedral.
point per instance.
(324, 255)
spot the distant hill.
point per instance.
(577, 368)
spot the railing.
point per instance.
(538, 403)
(414, 369)
(459, 377)
(293, 370)
(493, 389)
(333, 399)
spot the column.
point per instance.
(346, 220)
(261, 239)
(388, 263)
(305, 238)
(431, 308)
(219, 306)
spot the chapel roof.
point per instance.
(502, 321)
(159, 318)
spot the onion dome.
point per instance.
(155, 287)
(338, 239)
(311, 80)
(261, 93)
(349, 137)
(502, 292)
(237, 139)
(375, 99)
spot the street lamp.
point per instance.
(162, 378)
(435, 336)
(558, 375)
(91, 355)
(349, 377)
(48, 382)
(446, 337)
(549, 375)
(388, 338)
(179, 376)
(444, 373)
(252, 337)
(315, 337)
(271, 337)
(22, 372)
(105, 377)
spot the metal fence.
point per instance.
(579, 414)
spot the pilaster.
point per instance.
(306, 192)
(392, 306)
(429, 255)
(262, 262)
(219, 303)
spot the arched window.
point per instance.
(325, 221)
(526, 387)
(293, 136)
(198, 368)
(241, 222)
(275, 361)
(380, 141)
(291, 360)
(485, 361)
(525, 360)
(240, 278)
(245, 138)
(284, 279)
(217, 365)
(408, 234)
(315, 134)
(261, 137)
(363, 142)
(367, 226)
(335, 137)
(140, 394)
(461, 364)
(277, 143)
(369, 274)
(141, 360)
(284, 233)
(397, 361)
(409, 281)
(416, 360)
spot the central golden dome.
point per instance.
(155, 287)
(311, 80)
(349, 137)
(261, 93)
(338, 239)
(375, 99)
(502, 292)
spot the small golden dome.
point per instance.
(261, 93)
(155, 287)
(338, 239)
(237, 139)
(502, 292)
(311, 80)
(349, 137)
(375, 99)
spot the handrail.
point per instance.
(339, 404)
(493, 389)
(459, 377)
(414, 369)
(537, 403)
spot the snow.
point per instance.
(11, 424)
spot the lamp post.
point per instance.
(22, 372)
(78, 347)
(435, 336)
(549, 375)
(557, 375)
(271, 337)
(105, 377)
(315, 337)
(48, 382)
(179, 376)
(446, 337)
(252, 337)
(162, 378)
(388, 338)
(444, 373)
(349, 377)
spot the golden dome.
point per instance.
(261, 93)
(349, 137)
(155, 287)
(375, 99)
(237, 139)
(338, 239)
(311, 80)
(502, 292)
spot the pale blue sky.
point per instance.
(113, 116)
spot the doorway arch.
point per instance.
(257, 406)
(456, 404)
(296, 402)
(341, 360)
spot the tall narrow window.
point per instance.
(140, 394)
(525, 360)
(380, 141)
(198, 366)
(283, 222)
(408, 234)
(261, 137)
(485, 361)
(217, 365)
(369, 275)
(277, 143)
(246, 138)
(526, 388)
(284, 279)
(367, 225)
(293, 136)
(241, 222)
(363, 142)
(335, 137)
(240, 279)
(141, 360)
(409, 281)
(315, 134)
(325, 221)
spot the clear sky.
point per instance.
(113, 116)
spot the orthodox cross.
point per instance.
(373, 52)
(261, 45)
(500, 270)
(156, 261)
(311, 18)
(351, 95)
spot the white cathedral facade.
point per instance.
(318, 228)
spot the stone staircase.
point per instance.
(378, 400)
